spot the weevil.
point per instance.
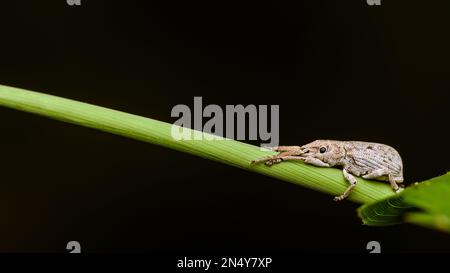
(364, 159)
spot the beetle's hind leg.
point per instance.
(380, 173)
(394, 184)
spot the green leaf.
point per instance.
(226, 151)
(426, 204)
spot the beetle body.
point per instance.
(365, 159)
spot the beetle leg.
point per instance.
(316, 162)
(376, 174)
(380, 173)
(352, 181)
(270, 160)
(394, 185)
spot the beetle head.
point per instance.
(328, 151)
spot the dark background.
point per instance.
(338, 70)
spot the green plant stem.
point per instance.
(234, 153)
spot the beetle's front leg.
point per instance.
(307, 160)
(316, 162)
(270, 160)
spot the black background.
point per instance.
(338, 70)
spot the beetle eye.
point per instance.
(322, 150)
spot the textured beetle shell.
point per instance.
(363, 157)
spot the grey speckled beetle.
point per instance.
(365, 159)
